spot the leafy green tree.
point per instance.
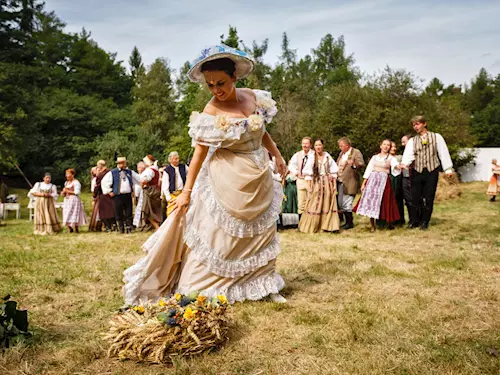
(154, 105)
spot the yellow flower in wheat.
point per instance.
(189, 313)
(139, 309)
(201, 300)
(222, 298)
(162, 303)
(178, 296)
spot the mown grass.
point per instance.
(392, 302)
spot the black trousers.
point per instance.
(423, 191)
(123, 209)
(406, 191)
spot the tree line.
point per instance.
(65, 102)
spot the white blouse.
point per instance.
(42, 186)
(378, 161)
(77, 187)
(327, 166)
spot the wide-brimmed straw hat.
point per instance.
(243, 63)
(121, 159)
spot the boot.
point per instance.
(341, 217)
(122, 227)
(493, 197)
(349, 221)
(413, 223)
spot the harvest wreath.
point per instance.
(182, 325)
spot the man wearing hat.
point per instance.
(174, 178)
(118, 184)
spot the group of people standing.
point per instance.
(44, 194)
(325, 189)
(153, 189)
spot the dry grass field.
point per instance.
(392, 302)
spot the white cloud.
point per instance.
(450, 40)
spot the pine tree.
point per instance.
(135, 62)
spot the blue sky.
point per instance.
(450, 40)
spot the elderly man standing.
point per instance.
(350, 162)
(119, 184)
(300, 163)
(173, 180)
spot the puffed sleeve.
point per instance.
(266, 106)
(107, 183)
(34, 189)
(78, 187)
(394, 163)
(369, 168)
(53, 192)
(332, 166)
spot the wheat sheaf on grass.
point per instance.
(448, 187)
(182, 326)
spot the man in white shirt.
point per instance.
(428, 151)
(299, 165)
(173, 180)
(118, 184)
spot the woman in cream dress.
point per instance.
(222, 237)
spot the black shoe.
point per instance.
(347, 226)
(129, 230)
(122, 230)
(349, 221)
(493, 197)
(412, 225)
(424, 225)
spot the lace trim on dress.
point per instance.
(229, 268)
(253, 290)
(203, 127)
(231, 225)
(133, 279)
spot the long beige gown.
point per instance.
(227, 242)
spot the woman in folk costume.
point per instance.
(73, 213)
(103, 201)
(150, 182)
(494, 185)
(95, 224)
(138, 221)
(321, 207)
(227, 241)
(45, 194)
(378, 200)
(397, 184)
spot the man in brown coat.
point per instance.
(350, 162)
